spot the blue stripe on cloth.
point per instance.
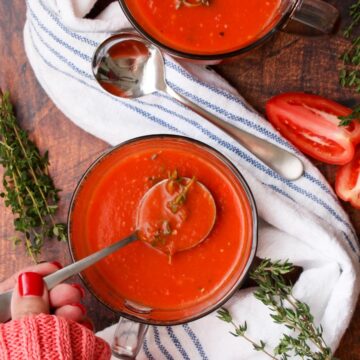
(306, 175)
(267, 133)
(146, 350)
(278, 190)
(225, 113)
(172, 65)
(177, 342)
(142, 112)
(61, 57)
(56, 19)
(223, 143)
(271, 173)
(58, 40)
(255, 126)
(207, 132)
(186, 327)
(161, 347)
(349, 241)
(282, 192)
(86, 40)
(319, 183)
(196, 341)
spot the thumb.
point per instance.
(30, 296)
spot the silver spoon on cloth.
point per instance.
(128, 66)
(180, 242)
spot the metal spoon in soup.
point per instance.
(174, 215)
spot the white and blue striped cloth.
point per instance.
(302, 220)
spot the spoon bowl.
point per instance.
(166, 215)
(128, 66)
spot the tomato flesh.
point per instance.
(311, 122)
(347, 184)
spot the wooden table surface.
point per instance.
(287, 63)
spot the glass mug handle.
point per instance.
(128, 339)
(317, 14)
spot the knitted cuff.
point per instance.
(50, 337)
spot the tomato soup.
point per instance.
(139, 279)
(221, 27)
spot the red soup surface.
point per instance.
(139, 279)
(221, 27)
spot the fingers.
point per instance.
(42, 269)
(75, 312)
(65, 299)
(30, 296)
(65, 294)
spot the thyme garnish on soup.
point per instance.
(175, 204)
(178, 188)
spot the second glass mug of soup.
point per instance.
(215, 30)
(139, 282)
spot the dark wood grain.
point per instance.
(286, 63)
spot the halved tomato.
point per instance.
(311, 122)
(347, 183)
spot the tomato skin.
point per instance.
(347, 183)
(311, 122)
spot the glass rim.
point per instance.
(242, 276)
(293, 4)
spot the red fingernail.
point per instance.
(57, 264)
(30, 283)
(81, 307)
(87, 324)
(80, 288)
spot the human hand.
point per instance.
(30, 296)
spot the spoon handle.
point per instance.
(59, 276)
(78, 266)
(283, 162)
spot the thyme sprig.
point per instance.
(28, 188)
(306, 339)
(355, 115)
(191, 3)
(350, 73)
(175, 204)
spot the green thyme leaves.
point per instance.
(28, 188)
(305, 339)
(350, 74)
(355, 115)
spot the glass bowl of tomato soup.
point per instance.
(219, 29)
(139, 281)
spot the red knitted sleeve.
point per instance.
(50, 337)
